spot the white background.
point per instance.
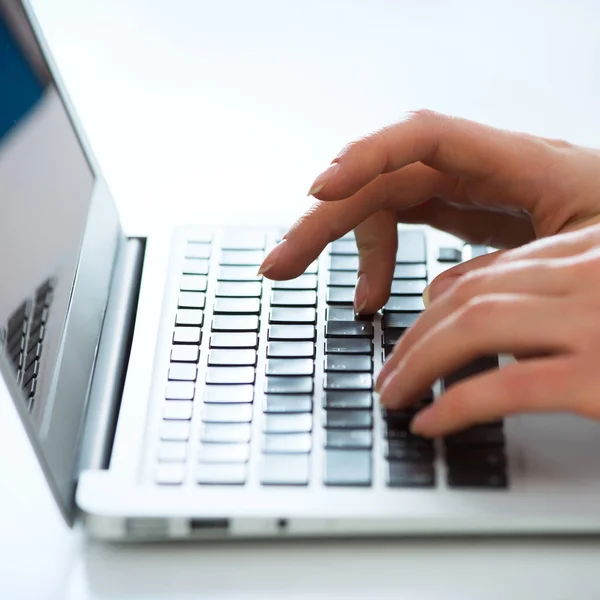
(232, 108)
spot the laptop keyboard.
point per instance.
(262, 361)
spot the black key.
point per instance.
(290, 366)
(399, 450)
(291, 350)
(348, 346)
(187, 335)
(479, 458)
(185, 354)
(410, 272)
(282, 469)
(347, 468)
(224, 453)
(289, 316)
(30, 389)
(347, 400)
(408, 287)
(15, 323)
(287, 443)
(294, 298)
(348, 381)
(31, 372)
(239, 289)
(344, 263)
(197, 250)
(192, 300)
(476, 367)
(348, 363)
(404, 304)
(242, 239)
(448, 254)
(178, 410)
(234, 340)
(241, 258)
(402, 434)
(221, 474)
(225, 432)
(193, 283)
(476, 436)
(288, 385)
(195, 266)
(344, 248)
(285, 404)
(33, 354)
(348, 419)
(411, 247)
(496, 479)
(410, 474)
(342, 278)
(189, 317)
(229, 273)
(227, 413)
(180, 390)
(228, 394)
(360, 329)
(235, 323)
(247, 306)
(340, 295)
(169, 474)
(349, 439)
(229, 375)
(288, 423)
(175, 431)
(391, 336)
(303, 282)
(345, 313)
(237, 358)
(182, 372)
(292, 332)
(399, 320)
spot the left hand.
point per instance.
(539, 302)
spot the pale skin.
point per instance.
(538, 298)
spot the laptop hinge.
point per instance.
(113, 357)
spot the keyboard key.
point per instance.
(234, 340)
(248, 306)
(189, 317)
(221, 474)
(284, 404)
(239, 289)
(192, 300)
(311, 269)
(391, 336)
(475, 479)
(241, 239)
(293, 298)
(292, 332)
(479, 458)
(348, 419)
(182, 372)
(340, 295)
(348, 363)
(476, 250)
(399, 432)
(228, 394)
(348, 439)
(303, 282)
(195, 266)
(345, 313)
(229, 273)
(348, 346)
(347, 468)
(287, 443)
(187, 335)
(289, 316)
(410, 474)
(193, 283)
(410, 272)
(238, 358)
(197, 250)
(224, 453)
(204, 237)
(223, 433)
(242, 257)
(289, 423)
(227, 413)
(288, 385)
(476, 367)
(476, 436)
(448, 254)
(169, 474)
(178, 410)
(344, 263)
(229, 375)
(291, 350)
(408, 287)
(399, 320)
(348, 381)
(180, 390)
(400, 450)
(404, 304)
(172, 451)
(175, 431)
(347, 400)
(344, 248)
(355, 329)
(282, 469)
(290, 366)
(235, 323)
(411, 247)
(342, 278)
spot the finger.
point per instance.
(377, 241)
(496, 324)
(566, 383)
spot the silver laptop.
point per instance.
(170, 393)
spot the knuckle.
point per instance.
(477, 312)
(468, 287)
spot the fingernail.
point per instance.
(386, 383)
(422, 422)
(426, 296)
(383, 375)
(361, 295)
(323, 179)
(271, 259)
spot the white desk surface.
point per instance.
(211, 108)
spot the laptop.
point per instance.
(170, 393)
